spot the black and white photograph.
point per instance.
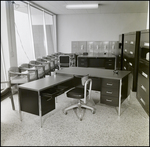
(75, 73)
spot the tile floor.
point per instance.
(104, 128)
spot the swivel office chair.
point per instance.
(7, 92)
(82, 93)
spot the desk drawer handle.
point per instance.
(109, 84)
(143, 88)
(144, 74)
(130, 63)
(142, 101)
(131, 52)
(125, 59)
(109, 92)
(108, 100)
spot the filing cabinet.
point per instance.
(110, 92)
(143, 72)
(131, 55)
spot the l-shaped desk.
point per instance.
(38, 97)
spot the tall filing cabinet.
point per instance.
(143, 71)
(131, 56)
(120, 55)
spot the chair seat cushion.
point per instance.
(77, 93)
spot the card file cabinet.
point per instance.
(143, 72)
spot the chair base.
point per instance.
(80, 106)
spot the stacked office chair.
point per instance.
(54, 57)
(81, 92)
(7, 92)
(47, 65)
(16, 77)
(39, 66)
(27, 68)
(64, 61)
(52, 62)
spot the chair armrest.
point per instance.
(5, 81)
(17, 73)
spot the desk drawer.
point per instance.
(110, 92)
(109, 65)
(110, 60)
(48, 104)
(109, 100)
(110, 83)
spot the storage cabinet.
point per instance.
(131, 56)
(143, 72)
(109, 92)
(82, 62)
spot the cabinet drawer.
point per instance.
(144, 39)
(110, 83)
(110, 92)
(109, 65)
(109, 100)
(82, 64)
(110, 60)
(144, 69)
(143, 83)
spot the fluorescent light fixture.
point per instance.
(82, 6)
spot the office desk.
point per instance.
(30, 94)
(114, 87)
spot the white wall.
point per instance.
(96, 27)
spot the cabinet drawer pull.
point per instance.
(144, 74)
(143, 88)
(131, 42)
(125, 50)
(109, 84)
(125, 59)
(108, 100)
(130, 63)
(124, 67)
(146, 44)
(131, 52)
(126, 41)
(109, 64)
(142, 101)
(109, 92)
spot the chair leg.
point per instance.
(88, 107)
(71, 107)
(12, 102)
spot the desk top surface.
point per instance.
(44, 83)
(94, 72)
(98, 55)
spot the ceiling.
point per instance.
(105, 7)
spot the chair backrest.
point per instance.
(84, 79)
(64, 59)
(13, 69)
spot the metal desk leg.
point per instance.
(119, 109)
(40, 108)
(19, 106)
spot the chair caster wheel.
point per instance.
(93, 112)
(65, 112)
